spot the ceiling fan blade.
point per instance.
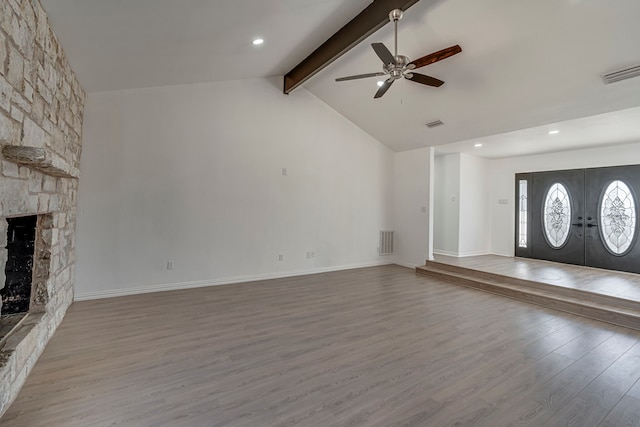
(384, 88)
(425, 80)
(383, 53)
(436, 56)
(360, 76)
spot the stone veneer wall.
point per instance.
(41, 107)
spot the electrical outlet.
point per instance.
(169, 265)
(280, 257)
(284, 171)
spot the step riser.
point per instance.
(558, 290)
(549, 302)
(483, 275)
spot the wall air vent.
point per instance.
(435, 124)
(616, 76)
(386, 242)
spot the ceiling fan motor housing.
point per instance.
(396, 70)
(402, 61)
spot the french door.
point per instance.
(581, 216)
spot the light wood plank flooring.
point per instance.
(368, 347)
(613, 283)
(589, 292)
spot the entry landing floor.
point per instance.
(605, 282)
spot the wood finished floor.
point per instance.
(368, 347)
(614, 283)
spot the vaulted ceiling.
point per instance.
(527, 67)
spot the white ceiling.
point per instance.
(526, 66)
(618, 127)
(124, 44)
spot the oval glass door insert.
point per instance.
(617, 217)
(557, 215)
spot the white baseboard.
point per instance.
(446, 253)
(137, 290)
(465, 254)
(461, 254)
(502, 254)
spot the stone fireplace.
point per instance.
(41, 111)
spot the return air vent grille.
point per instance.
(617, 76)
(435, 124)
(386, 242)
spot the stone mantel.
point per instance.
(39, 159)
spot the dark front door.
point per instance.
(611, 218)
(557, 232)
(583, 216)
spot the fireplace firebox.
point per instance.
(21, 237)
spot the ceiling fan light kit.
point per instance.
(400, 66)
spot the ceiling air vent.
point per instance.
(435, 124)
(616, 76)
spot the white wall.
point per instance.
(193, 174)
(446, 222)
(474, 229)
(461, 201)
(502, 182)
(413, 171)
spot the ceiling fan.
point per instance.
(398, 66)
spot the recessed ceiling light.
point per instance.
(380, 83)
(258, 42)
(554, 132)
(478, 145)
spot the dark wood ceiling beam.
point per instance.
(371, 19)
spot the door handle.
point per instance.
(577, 224)
(591, 225)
